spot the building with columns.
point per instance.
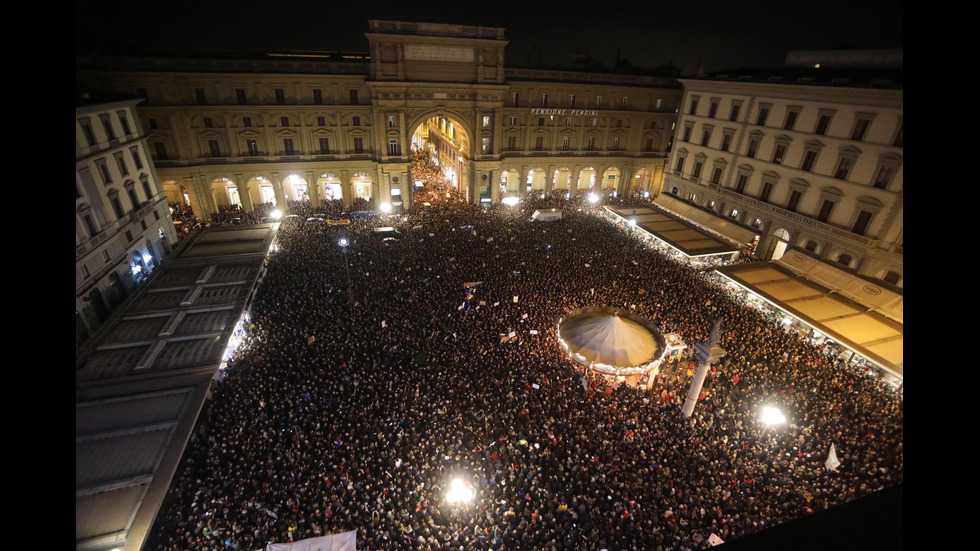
(338, 126)
(809, 158)
(123, 227)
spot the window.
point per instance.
(696, 173)
(317, 96)
(121, 164)
(107, 127)
(514, 98)
(791, 115)
(726, 140)
(240, 95)
(280, 96)
(355, 121)
(544, 99)
(753, 148)
(899, 140)
(844, 260)
(624, 103)
(766, 191)
(826, 208)
(539, 143)
(324, 146)
(733, 114)
(152, 123)
(892, 277)
(705, 136)
(124, 122)
(247, 122)
(202, 98)
(694, 106)
(571, 100)
(512, 143)
(778, 153)
(541, 121)
(283, 121)
(679, 167)
(615, 144)
(160, 150)
(598, 101)
(90, 226)
(89, 134)
(763, 115)
(393, 147)
(823, 123)
(486, 121)
(104, 172)
(844, 166)
(393, 121)
(811, 245)
(287, 146)
(129, 236)
(568, 121)
(353, 97)
(794, 200)
(117, 207)
(734, 213)
(133, 199)
(485, 145)
(252, 146)
(214, 149)
(358, 145)
(137, 160)
(713, 109)
(688, 129)
(564, 143)
(208, 123)
(860, 127)
(591, 144)
(809, 158)
(659, 104)
(146, 189)
(862, 222)
(740, 183)
(595, 122)
(513, 121)
(649, 146)
(619, 123)
(884, 176)
(716, 175)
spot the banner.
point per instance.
(345, 541)
(832, 462)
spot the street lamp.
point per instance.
(343, 245)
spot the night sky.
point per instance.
(709, 35)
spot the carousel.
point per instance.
(614, 343)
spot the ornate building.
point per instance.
(309, 126)
(810, 159)
(123, 227)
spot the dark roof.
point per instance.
(886, 78)
(85, 96)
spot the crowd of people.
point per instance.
(353, 404)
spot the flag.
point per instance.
(832, 463)
(272, 514)
(713, 539)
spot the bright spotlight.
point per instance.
(459, 492)
(276, 214)
(510, 200)
(772, 416)
(385, 208)
(632, 221)
(593, 198)
(343, 242)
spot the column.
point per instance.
(522, 185)
(346, 188)
(573, 178)
(708, 353)
(280, 197)
(313, 189)
(242, 186)
(494, 186)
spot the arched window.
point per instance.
(844, 259)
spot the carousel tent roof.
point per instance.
(608, 338)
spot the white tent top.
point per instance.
(609, 336)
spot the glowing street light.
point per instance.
(512, 200)
(593, 198)
(343, 245)
(276, 214)
(459, 492)
(385, 208)
(772, 416)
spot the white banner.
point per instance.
(345, 541)
(832, 462)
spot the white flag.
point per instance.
(832, 463)
(713, 539)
